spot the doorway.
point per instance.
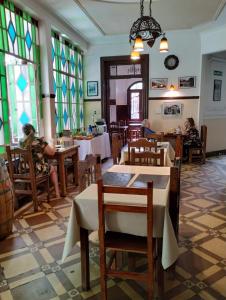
(134, 101)
(121, 98)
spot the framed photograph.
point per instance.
(187, 82)
(172, 109)
(217, 90)
(92, 88)
(159, 83)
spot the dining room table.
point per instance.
(97, 145)
(62, 153)
(169, 153)
(84, 212)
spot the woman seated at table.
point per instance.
(146, 127)
(39, 148)
(191, 137)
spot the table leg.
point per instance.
(84, 250)
(75, 165)
(159, 269)
(62, 176)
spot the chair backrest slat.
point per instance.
(141, 145)
(147, 158)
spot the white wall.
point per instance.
(213, 113)
(159, 122)
(186, 45)
(179, 44)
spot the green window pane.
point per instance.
(18, 37)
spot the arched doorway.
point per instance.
(134, 101)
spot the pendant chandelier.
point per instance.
(146, 28)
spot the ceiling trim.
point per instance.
(89, 17)
(219, 9)
(123, 1)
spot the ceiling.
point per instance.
(95, 19)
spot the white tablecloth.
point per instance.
(169, 153)
(84, 213)
(98, 145)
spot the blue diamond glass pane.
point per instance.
(12, 32)
(28, 40)
(80, 91)
(22, 82)
(63, 57)
(65, 116)
(24, 118)
(72, 62)
(56, 119)
(64, 88)
(54, 85)
(81, 115)
(73, 89)
(1, 123)
(53, 53)
(80, 66)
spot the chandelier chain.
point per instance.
(150, 8)
(141, 8)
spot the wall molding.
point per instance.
(175, 98)
(92, 100)
(216, 153)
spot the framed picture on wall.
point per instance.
(172, 109)
(159, 83)
(187, 82)
(217, 90)
(92, 88)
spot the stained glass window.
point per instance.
(22, 98)
(18, 37)
(68, 84)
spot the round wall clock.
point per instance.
(171, 62)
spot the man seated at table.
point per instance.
(146, 127)
(39, 148)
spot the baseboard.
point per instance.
(216, 153)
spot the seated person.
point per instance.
(146, 127)
(191, 137)
(39, 149)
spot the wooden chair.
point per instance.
(116, 241)
(94, 167)
(113, 128)
(141, 145)
(134, 133)
(155, 136)
(116, 147)
(147, 158)
(199, 152)
(23, 176)
(89, 170)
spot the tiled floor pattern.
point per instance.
(30, 259)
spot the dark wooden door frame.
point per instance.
(105, 62)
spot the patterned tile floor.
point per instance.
(30, 259)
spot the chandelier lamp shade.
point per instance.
(135, 55)
(146, 28)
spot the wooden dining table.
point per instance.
(61, 154)
(84, 212)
